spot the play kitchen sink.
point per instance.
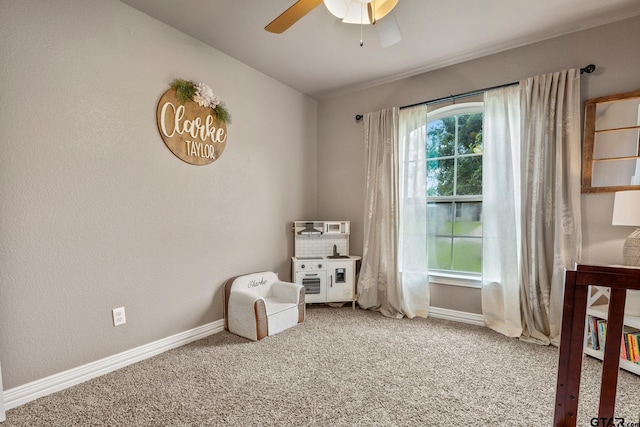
(335, 254)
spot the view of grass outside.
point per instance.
(454, 188)
(455, 244)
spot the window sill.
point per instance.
(470, 280)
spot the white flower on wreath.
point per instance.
(205, 97)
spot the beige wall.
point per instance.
(613, 48)
(95, 211)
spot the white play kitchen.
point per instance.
(321, 261)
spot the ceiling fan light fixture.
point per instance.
(357, 14)
(338, 8)
(350, 11)
(354, 12)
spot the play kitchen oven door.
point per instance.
(315, 284)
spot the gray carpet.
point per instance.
(339, 368)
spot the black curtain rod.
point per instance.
(588, 69)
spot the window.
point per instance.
(454, 189)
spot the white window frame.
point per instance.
(448, 277)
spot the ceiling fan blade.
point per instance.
(387, 30)
(291, 15)
(379, 9)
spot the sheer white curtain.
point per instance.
(379, 280)
(413, 209)
(501, 211)
(544, 178)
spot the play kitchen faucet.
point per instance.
(336, 254)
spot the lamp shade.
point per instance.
(626, 208)
(626, 211)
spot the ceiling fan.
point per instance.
(350, 12)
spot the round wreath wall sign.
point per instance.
(193, 122)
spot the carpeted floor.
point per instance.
(341, 367)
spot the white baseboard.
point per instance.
(457, 316)
(2, 414)
(25, 393)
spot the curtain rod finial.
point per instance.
(359, 118)
(588, 69)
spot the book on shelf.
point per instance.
(630, 341)
(593, 332)
(633, 339)
(630, 351)
(602, 332)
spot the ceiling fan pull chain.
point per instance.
(361, 25)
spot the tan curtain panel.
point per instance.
(532, 186)
(551, 221)
(379, 282)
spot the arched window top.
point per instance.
(455, 109)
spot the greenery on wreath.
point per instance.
(202, 94)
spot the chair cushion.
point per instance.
(283, 319)
(275, 306)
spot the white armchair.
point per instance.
(258, 305)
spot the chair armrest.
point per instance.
(243, 299)
(246, 315)
(286, 291)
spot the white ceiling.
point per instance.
(320, 56)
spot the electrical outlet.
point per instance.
(118, 316)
